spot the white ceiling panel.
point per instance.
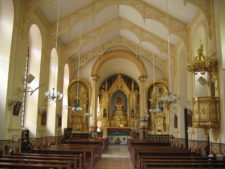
(66, 7)
(176, 8)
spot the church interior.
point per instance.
(90, 77)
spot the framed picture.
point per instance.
(16, 108)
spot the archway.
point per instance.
(119, 54)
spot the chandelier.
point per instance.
(170, 98)
(88, 114)
(77, 107)
(202, 63)
(155, 110)
(144, 118)
(52, 94)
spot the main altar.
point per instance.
(118, 135)
(119, 105)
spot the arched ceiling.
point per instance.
(87, 24)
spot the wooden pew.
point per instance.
(31, 165)
(143, 158)
(88, 152)
(76, 160)
(37, 161)
(168, 162)
(150, 165)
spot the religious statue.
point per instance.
(119, 114)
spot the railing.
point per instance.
(10, 146)
(42, 142)
(159, 137)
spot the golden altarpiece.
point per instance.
(78, 96)
(159, 113)
(119, 103)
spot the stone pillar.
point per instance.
(143, 92)
(143, 107)
(94, 94)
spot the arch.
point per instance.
(119, 54)
(79, 95)
(164, 82)
(66, 79)
(6, 30)
(53, 79)
(33, 67)
(82, 80)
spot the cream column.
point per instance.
(143, 109)
(93, 122)
(143, 125)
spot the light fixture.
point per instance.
(202, 63)
(170, 98)
(77, 107)
(88, 114)
(155, 110)
(52, 94)
(144, 118)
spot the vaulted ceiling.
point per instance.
(87, 24)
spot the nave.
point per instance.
(115, 157)
(80, 79)
(97, 154)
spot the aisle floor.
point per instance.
(116, 157)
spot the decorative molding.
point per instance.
(199, 146)
(207, 9)
(120, 40)
(174, 25)
(116, 24)
(119, 54)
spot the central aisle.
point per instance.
(116, 157)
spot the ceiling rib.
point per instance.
(138, 50)
(173, 25)
(117, 24)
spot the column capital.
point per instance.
(95, 77)
(142, 78)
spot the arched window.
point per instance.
(66, 79)
(33, 63)
(6, 29)
(53, 78)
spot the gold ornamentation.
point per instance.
(206, 113)
(117, 24)
(202, 63)
(78, 121)
(136, 49)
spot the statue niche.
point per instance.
(119, 105)
(159, 121)
(78, 96)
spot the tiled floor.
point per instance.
(116, 157)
